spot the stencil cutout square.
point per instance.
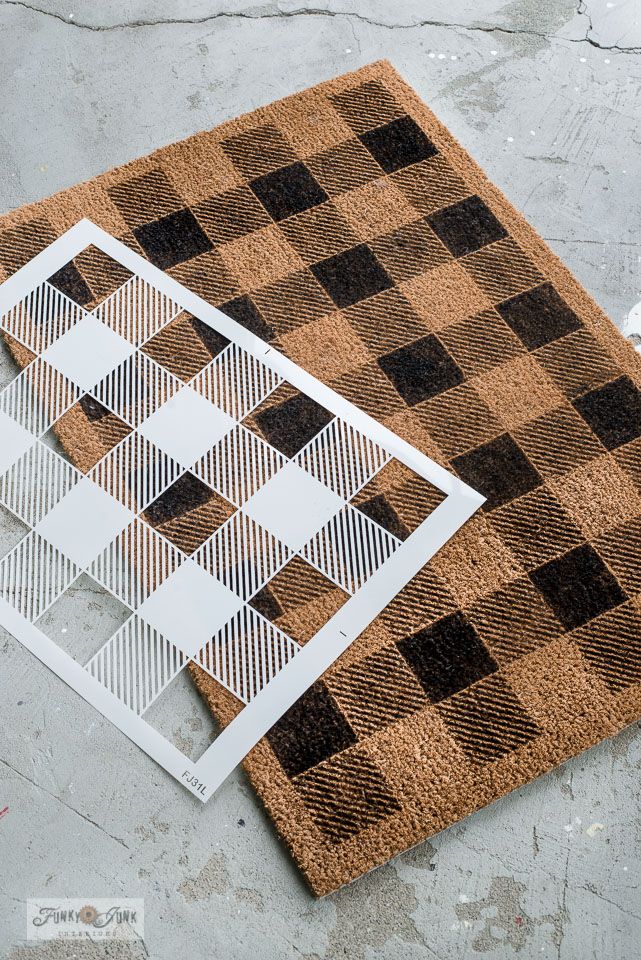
(186, 426)
(250, 472)
(293, 505)
(84, 522)
(88, 352)
(190, 607)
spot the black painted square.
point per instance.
(214, 341)
(447, 656)
(187, 493)
(578, 586)
(421, 369)
(352, 276)
(613, 412)
(466, 226)
(288, 191)
(381, 511)
(93, 409)
(398, 144)
(70, 281)
(311, 731)
(499, 470)
(245, 312)
(289, 425)
(172, 239)
(539, 316)
(266, 604)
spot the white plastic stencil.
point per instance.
(265, 504)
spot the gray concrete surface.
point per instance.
(546, 94)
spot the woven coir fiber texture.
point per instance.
(345, 226)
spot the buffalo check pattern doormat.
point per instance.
(346, 228)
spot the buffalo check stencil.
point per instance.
(278, 471)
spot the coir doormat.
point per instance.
(347, 228)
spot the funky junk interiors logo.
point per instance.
(103, 919)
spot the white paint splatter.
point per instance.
(594, 828)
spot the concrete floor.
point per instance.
(546, 94)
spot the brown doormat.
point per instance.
(347, 227)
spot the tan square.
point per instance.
(260, 258)
(445, 295)
(476, 562)
(375, 209)
(556, 687)
(599, 495)
(518, 391)
(326, 348)
(199, 168)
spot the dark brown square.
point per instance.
(312, 730)
(172, 239)
(244, 311)
(288, 191)
(187, 493)
(398, 144)
(69, 280)
(466, 226)
(499, 470)
(288, 426)
(421, 369)
(539, 316)
(352, 276)
(613, 412)
(381, 511)
(447, 656)
(578, 586)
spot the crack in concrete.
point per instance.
(61, 801)
(596, 243)
(583, 11)
(276, 13)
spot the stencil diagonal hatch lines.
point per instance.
(236, 508)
